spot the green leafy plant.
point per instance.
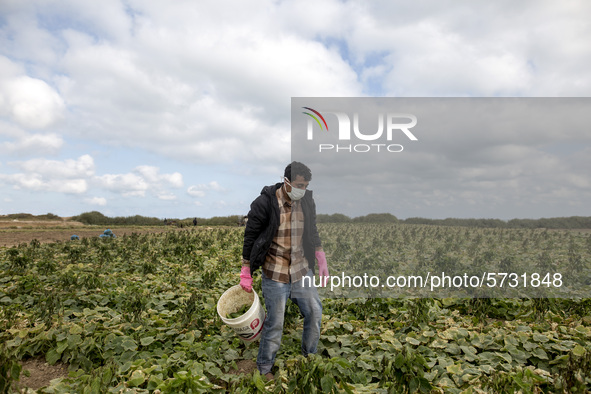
(10, 371)
(575, 376)
(523, 381)
(405, 372)
(138, 313)
(313, 374)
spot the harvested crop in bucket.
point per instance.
(243, 312)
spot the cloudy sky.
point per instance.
(181, 109)
(492, 157)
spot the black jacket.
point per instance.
(263, 223)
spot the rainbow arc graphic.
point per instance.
(315, 118)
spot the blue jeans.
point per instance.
(276, 295)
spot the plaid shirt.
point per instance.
(285, 261)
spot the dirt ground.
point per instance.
(244, 367)
(14, 232)
(40, 373)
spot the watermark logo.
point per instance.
(395, 124)
(316, 119)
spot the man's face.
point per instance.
(299, 182)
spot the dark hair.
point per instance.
(296, 168)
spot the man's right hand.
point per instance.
(246, 279)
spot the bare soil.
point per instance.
(244, 367)
(40, 373)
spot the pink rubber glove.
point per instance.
(245, 278)
(322, 267)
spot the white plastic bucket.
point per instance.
(249, 325)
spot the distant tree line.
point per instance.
(97, 218)
(28, 216)
(232, 220)
(572, 222)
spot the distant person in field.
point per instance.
(281, 238)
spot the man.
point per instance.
(281, 238)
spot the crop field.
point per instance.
(137, 314)
(16, 232)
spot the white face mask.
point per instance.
(295, 193)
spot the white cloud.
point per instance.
(201, 189)
(24, 38)
(83, 167)
(141, 180)
(19, 142)
(69, 176)
(79, 176)
(195, 192)
(124, 184)
(8, 71)
(203, 98)
(152, 175)
(442, 49)
(31, 102)
(33, 144)
(100, 201)
(213, 185)
(37, 183)
(73, 186)
(166, 196)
